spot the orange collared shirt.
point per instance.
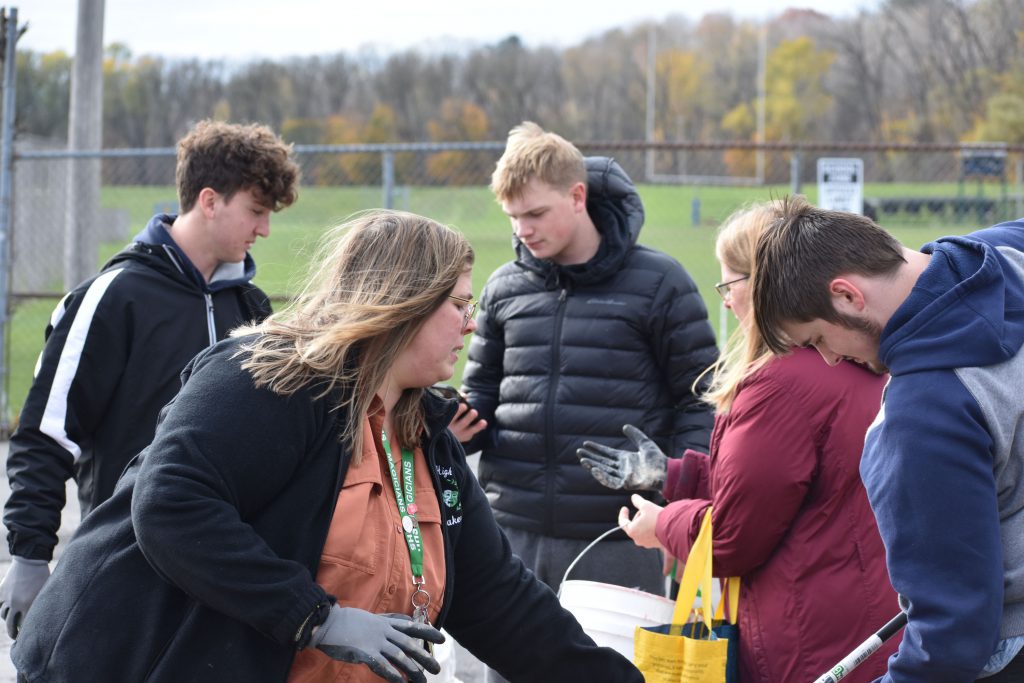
(365, 562)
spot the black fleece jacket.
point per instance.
(200, 567)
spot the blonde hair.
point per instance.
(532, 152)
(746, 351)
(377, 278)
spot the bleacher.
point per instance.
(981, 165)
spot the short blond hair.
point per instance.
(532, 152)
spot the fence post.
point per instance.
(388, 177)
(10, 37)
(794, 172)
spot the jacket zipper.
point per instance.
(449, 553)
(209, 318)
(550, 454)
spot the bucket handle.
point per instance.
(565, 577)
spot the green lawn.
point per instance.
(282, 259)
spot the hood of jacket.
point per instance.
(618, 214)
(155, 245)
(966, 309)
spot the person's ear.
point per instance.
(847, 297)
(207, 201)
(578, 192)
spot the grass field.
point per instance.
(282, 259)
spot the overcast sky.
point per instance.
(244, 29)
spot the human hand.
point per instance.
(19, 589)
(640, 470)
(466, 423)
(641, 527)
(391, 645)
(670, 566)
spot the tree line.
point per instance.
(911, 71)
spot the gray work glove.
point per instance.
(641, 470)
(19, 589)
(360, 637)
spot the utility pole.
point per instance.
(652, 49)
(85, 132)
(9, 34)
(762, 96)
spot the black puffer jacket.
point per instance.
(568, 353)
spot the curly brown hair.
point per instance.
(228, 157)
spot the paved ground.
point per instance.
(468, 668)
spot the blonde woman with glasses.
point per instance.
(304, 513)
(790, 515)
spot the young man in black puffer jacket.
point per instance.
(584, 332)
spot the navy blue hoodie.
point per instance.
(944, 460)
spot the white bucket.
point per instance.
(609, 614)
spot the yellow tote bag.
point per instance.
(683, 652)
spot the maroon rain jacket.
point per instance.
(791, 518)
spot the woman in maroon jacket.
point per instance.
(790, 513)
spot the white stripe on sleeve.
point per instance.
(55, 317)
(55, 415)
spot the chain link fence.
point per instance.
(918, 192)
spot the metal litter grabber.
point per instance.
(864, 650)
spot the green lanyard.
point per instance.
(407, 508)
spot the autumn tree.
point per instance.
(1003, 118)
(44, 92)
(459, 120)
(512, 83)
(796, 102)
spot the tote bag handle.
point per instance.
(697, 574)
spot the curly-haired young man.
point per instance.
(116, 344)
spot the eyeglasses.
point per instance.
(724, 289)
(468, 306)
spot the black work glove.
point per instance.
(641, 470)
(360, 637)
(19, 589)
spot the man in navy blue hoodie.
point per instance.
(943, 462)
(116, 344)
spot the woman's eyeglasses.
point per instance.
(468, 308)
(724, 289)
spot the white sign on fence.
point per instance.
(841, 184)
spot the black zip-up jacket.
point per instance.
(562, 354)
(115, 348)
(201, 566)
